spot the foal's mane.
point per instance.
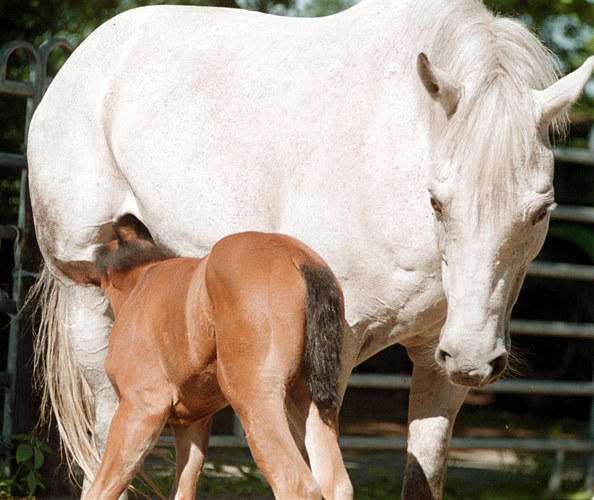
(129, 255)
(499, 61)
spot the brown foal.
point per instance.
(256, 324)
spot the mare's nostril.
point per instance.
(442, 355)
(498, 364)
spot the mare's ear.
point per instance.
(79, 271)
(129, 228)
(553, 100)
(441, 86)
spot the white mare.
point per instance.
(406, 141)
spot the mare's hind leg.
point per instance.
(87, 324)
(191, 442)
(133, 432)
(320, 435)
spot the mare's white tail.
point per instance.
(57, 376)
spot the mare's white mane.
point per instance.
(498, 61)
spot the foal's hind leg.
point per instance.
(274, 449)
(325, 457)
(257, 395)
(320, 435)
(133, 432)
(191, 442)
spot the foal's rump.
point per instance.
(277, 306)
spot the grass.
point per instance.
(526, 479)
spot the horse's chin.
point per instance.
(472, 382)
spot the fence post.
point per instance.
(589, 474)
(21, 404)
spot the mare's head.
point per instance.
(118, 264)
(490, 186)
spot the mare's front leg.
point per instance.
(191, 442)
(433, 406)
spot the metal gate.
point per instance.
(23, 237)
(14, 379)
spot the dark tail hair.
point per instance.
(323, 337)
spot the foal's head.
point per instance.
(118, 264)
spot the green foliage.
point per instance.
(10, 188)
(38, 20)
(526, 479)
(565, 26)
(539, 10)
(20, 474)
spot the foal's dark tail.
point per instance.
(324, 309)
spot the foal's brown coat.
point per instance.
(193, 335)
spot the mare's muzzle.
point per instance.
(471, 369)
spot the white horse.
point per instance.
(406, 141)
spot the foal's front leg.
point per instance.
(191, 442)
(433, 406)
(133, 432)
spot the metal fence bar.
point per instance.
(573, 213)
(8, 306)
(5, 379)
(12, 160)
(562, 388)
(18, 89)
(399, 443)
(561, 271)
(574, 155)
(552, 328)
(520, 444)
(215, 441)
(374, 381)
(8, 232)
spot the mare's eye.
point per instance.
(540, 215)
(436, 206)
